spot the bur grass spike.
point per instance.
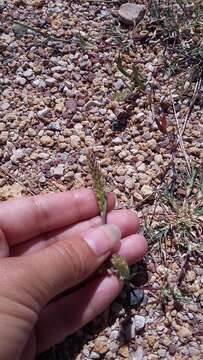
(98, 184)
(121, 267)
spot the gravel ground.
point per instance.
(62, 92)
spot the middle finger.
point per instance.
(126, 220)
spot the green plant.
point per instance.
(138, 80)
(98, 184)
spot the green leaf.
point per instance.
(119, 63)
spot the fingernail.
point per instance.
(103, 239)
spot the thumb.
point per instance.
(66, 263)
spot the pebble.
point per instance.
(144, 179)
(165, 341)
(4, 105)
(117, 141)
(94, 355)
(139, 354)
(121, 171)
(89, 140)
(172, 349)
(44, 113)
(50, 81)
(161, 353)
(39, 83)
(57, 171)
(139, 322)
(119, 84)
(42, 179)
(184, 334)
(114, 335)
(70, 67)
(100, 345)
(54, 125)
(141, 168)
(74, 140)
(146, 190)
(151, 339)
(28, 73)
(190, 276)
(20, 80)
(17, 156)
(158, 159)
(11, 191)
(47, 141)
(129, 182)
(136, 297)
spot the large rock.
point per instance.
(131, 14)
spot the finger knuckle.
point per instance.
(73, 256)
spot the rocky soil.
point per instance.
(62, 92)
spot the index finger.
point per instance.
(25, 218)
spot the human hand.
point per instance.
(49, 244)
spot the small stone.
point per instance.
(94, 355)
(89, 140)
(141, 168)
(39, 83)
(129, 182)
(152, 144)
(59, 105)
(165, 341)
(28, 73)
(151, 339)
(117, 141)
(31, 132)
(146, 190)
(47, 141)
(50, 81)
(131, 14)
(20, 80)
(38, 3)
(57, 171)
(119, 84)
(11, 191)
(42, 179)
(74, 140)
(184, 334)
(139, 322)
(137, 195)
(4, 105)
(158, 159)
(138, 355)
(90, 104)
(124, 351)
(100, 346)
(120, 170)
(113, 346)
(44, 113)
(3, 137)
(114, 335)
(70, 67)
(54, 125)
(190, 276)
(37, 69)
(17, 156)
(144, 179)
(136, 297)
(71, 105)
(172, 349)
(161, 353)
(193, 351)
